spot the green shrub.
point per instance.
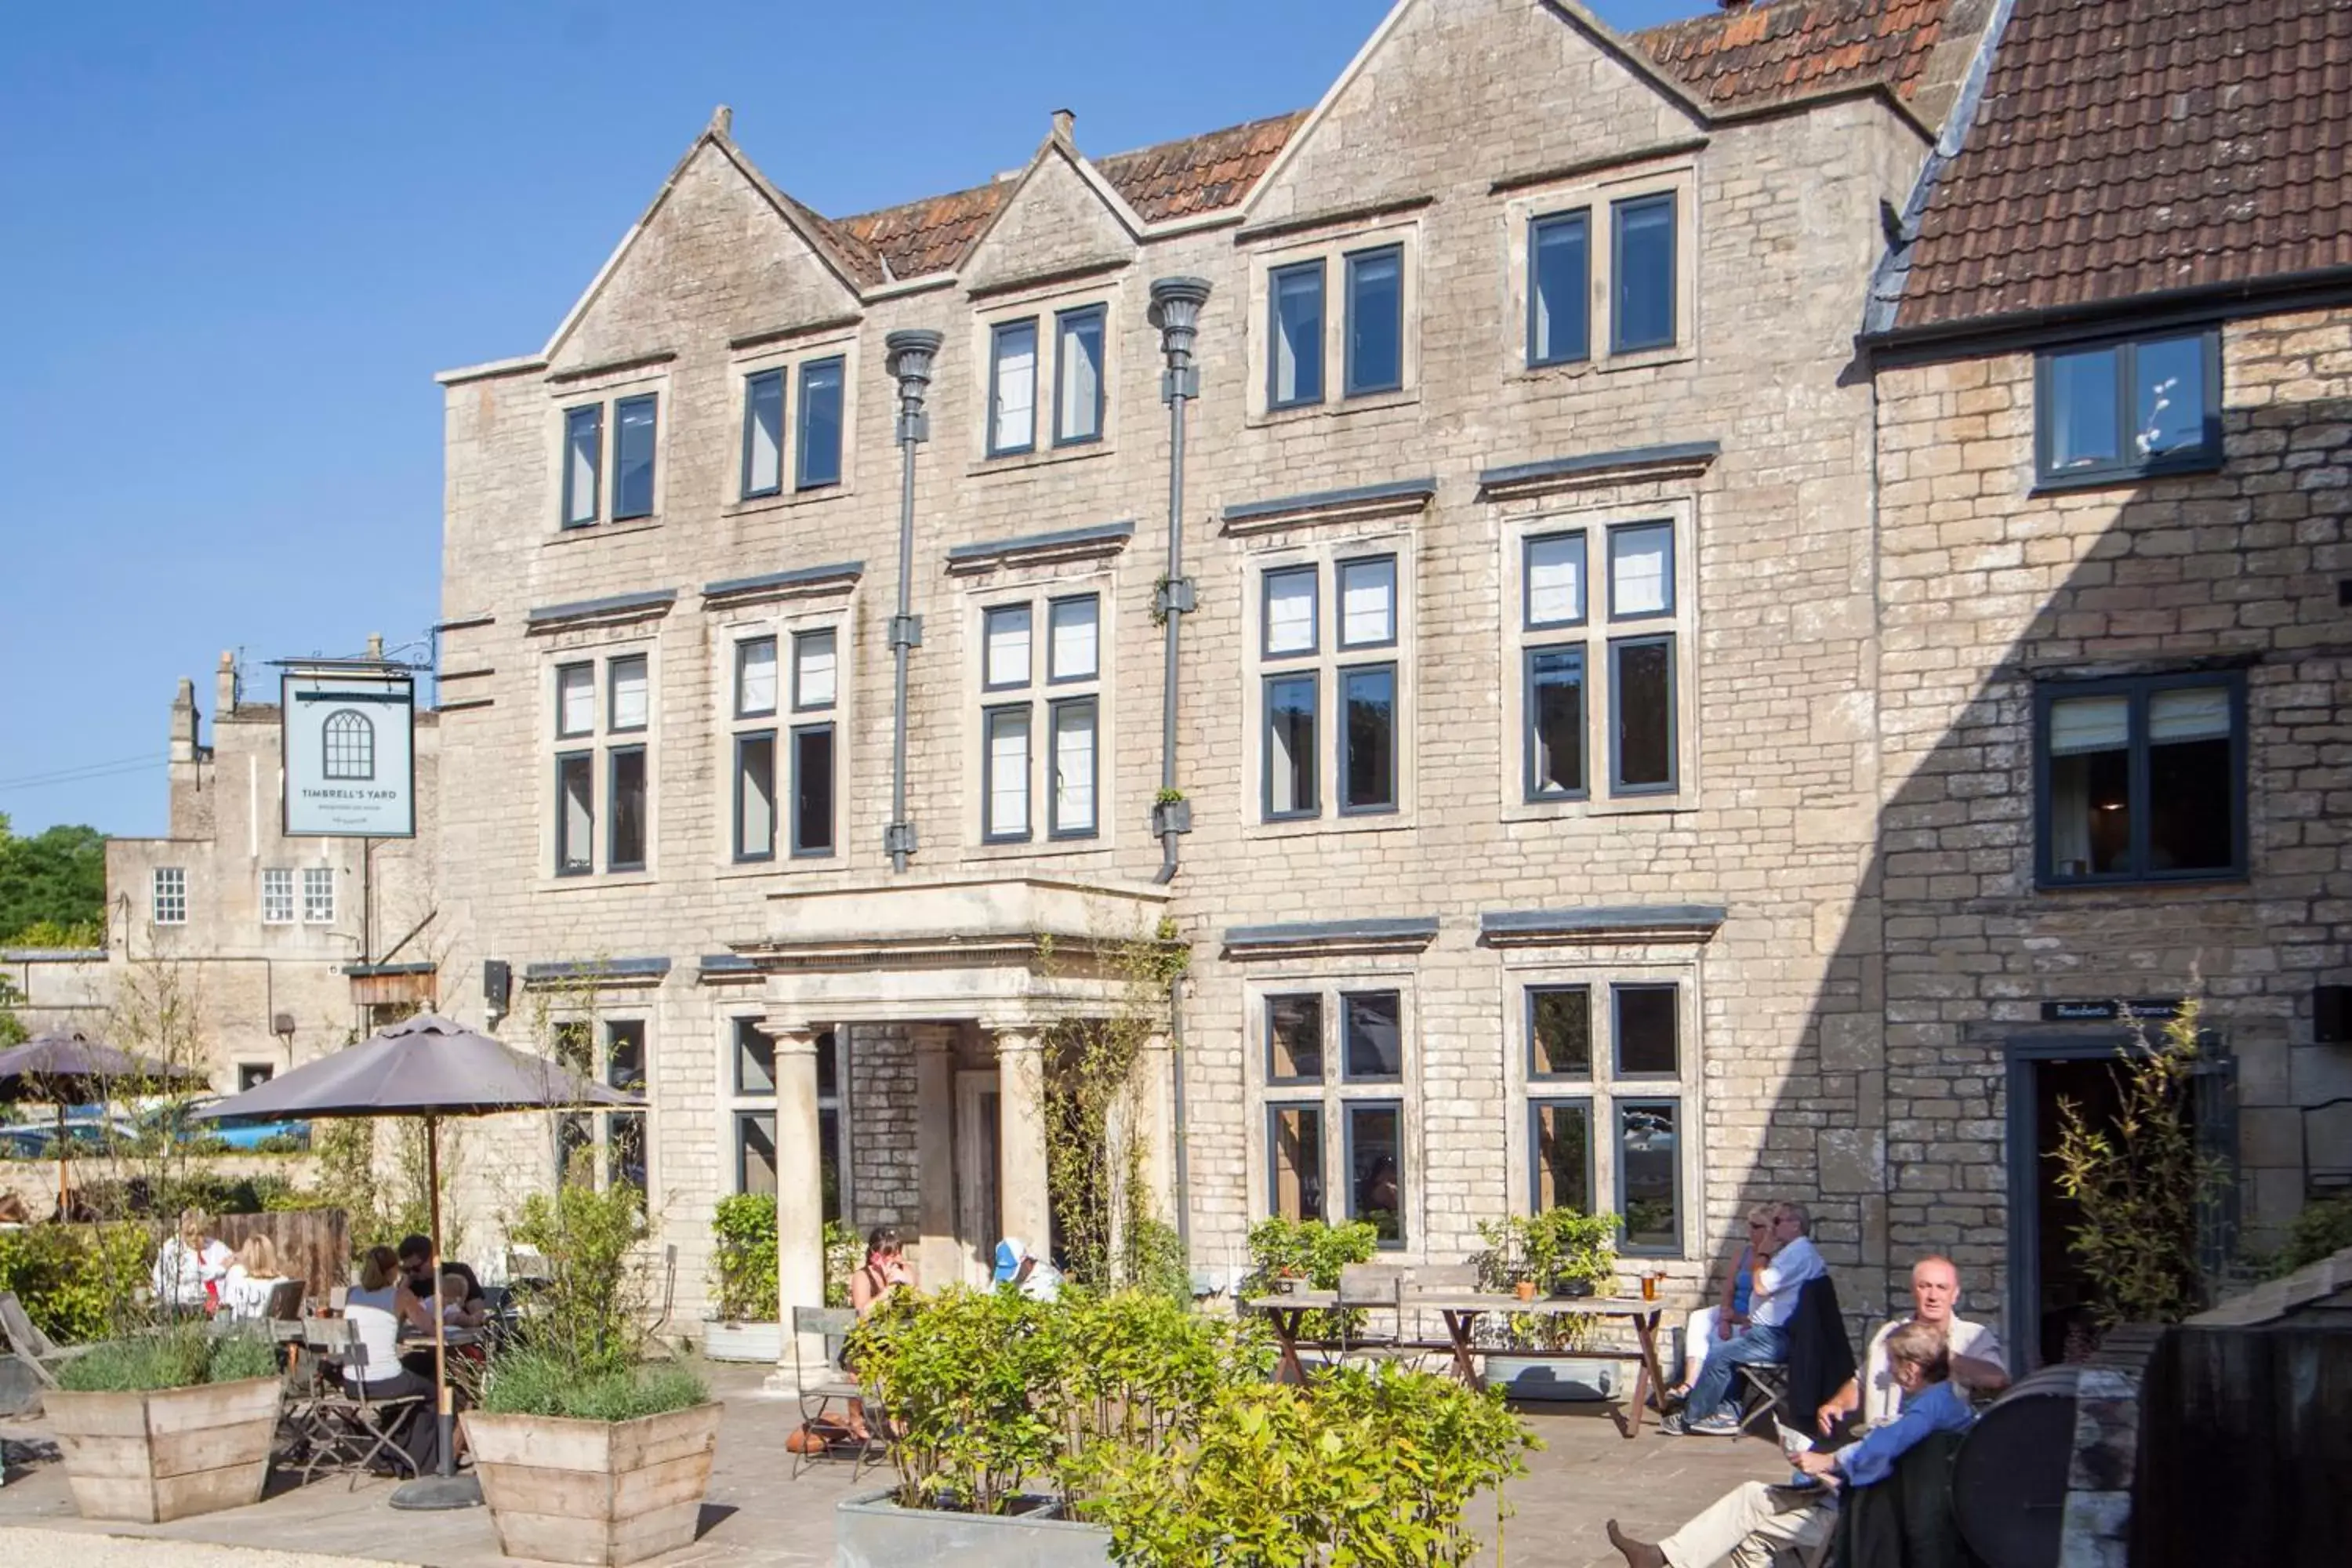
(75, 1280)
(743, 1266)
(530, 1381)
(2322, 1230)
(1559, 1247)
(588, 1311)
(178, 1357)
(845, 1254)
(968, 1377)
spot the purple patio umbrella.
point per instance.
(429, 1067)
(67, 1067)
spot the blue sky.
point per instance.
(240, 238)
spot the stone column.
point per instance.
(1022, 1194)
(939, 1259)
(800, 1192)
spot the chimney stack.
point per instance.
(1065, 124)
(1733, 6)
(225, 686)
(376, 646)
(183, 722)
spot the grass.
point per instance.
(533, 1382)
(180, 1357)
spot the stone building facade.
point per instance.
(2112, 559)
(1524, 718)
(267, 950)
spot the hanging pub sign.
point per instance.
(2148, 1007)
(347, 754)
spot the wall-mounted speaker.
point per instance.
(498, 984)
(2331, 1014)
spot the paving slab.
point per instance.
(757, 1516)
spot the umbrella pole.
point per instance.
(446, 1488)
(65, 1164)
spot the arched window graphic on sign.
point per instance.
(349, 751)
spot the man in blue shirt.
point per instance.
(1786, 1263)
(1752, 1524)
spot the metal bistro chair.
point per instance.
(1370, 1287)
(342, 1429)
(28, 1344)
(824, 1385)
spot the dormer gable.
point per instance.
(781, 262)
(1061, 216)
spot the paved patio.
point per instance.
(754, 1515)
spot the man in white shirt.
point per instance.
(1979, 1364)
(1781, 1278)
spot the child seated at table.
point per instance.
(454, 1313)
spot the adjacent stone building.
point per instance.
(264, 949)
(2111, 349)
(1526, 749)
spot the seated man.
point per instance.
(416, 1273)
(1788, 1263)
(1977, 1361)
(1752, 1524)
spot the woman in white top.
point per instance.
(377, 1312)
(188, 1263)
(245, 1290)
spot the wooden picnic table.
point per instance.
(1461, 1310)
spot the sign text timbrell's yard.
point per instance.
(350, 749)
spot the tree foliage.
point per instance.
(52, 888)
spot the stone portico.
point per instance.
(975, 971)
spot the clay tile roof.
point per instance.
(852, 253)
(928, 235)
(1765, 54)
(2124, 147)
(1198, 173)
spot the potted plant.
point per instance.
(159, 1425)
(1560, 1252)
(1129, 1428)
(586, 1453)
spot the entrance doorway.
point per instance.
(979, 1214)
(2050, 1295)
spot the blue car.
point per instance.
(179, 1119)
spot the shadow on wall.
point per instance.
(1939, 1005)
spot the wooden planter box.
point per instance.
(167, 1454)
(594, 1492)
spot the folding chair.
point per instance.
(1369, 1287)
(822, 1387)
(1765, 1394)
(346, 1429)
(28, 1344)
(654, 1342)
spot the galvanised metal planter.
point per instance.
(871, 1531)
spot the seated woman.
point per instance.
(245, 1288)
(190, 1266)
(378, 1311)
(1730, 1314)
(1752, 1525)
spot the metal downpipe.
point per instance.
(909, 356)
(1176, 310)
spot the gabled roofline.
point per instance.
(1569, 11)
(1056, 144)
(716, 135)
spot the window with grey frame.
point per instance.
(763, 434)
(1560, 288)
(755, 750)
(1366, 735)
(1294, 370)
(614, 1144)
(817, 461)
(1079, 383)
(582, 737)
(752, 1089)
(1644, 281)
(1013, 387)
(1349, 1078)
(2128, 408)
(2141, 779)
(816, 675)
(1633, 1084)
(1062, 713)
(1552, 605)
(1375, 321)
(1644, 725)
(635, 429)
(584, 465)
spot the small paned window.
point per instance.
(583, 464)
(632, 457)
(1294, 1160)
(1372, 1038)
(1555, 581)
(755, 796)
(815, 670)
(626, 851)
(1005, 775)
(763, 434)
(1560, 1031)
(1367, 603)
(1005, 646)
(1375, 1156)
(1294, 1038)
(1640, 571)
(1074, 640)
(1013, 388)
(278, 896)
(575, 814)
(630, 707)
(168, 896)
(1375, 321)
(1649, 1174)
(1072, 765)
(755, 678)
(2142, 780)
(1290, 613)
(1294, 367)
(1556, 724)
(607, 1147)
(1642, 715)
(1559, 1137)
(1305, 1099)
(1367, 738)
(1290, 747)
(819, 459)
(1641, 314)
(575, 700)
(813, 759)
(1601, 699)
(2127, 409)
(1559, 289)
(318, 895)
(1646, 1031)
(1078, 379)
(755, 1058)
(1622, 1078)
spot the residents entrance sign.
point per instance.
(349, 753)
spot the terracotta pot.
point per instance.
(1525, 1289)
